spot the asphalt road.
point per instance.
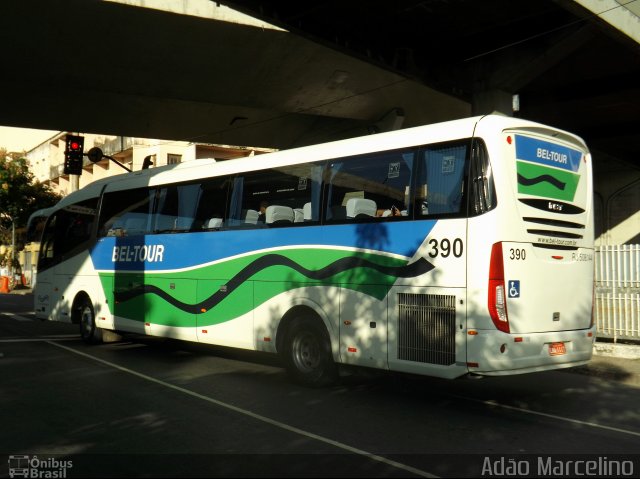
(157, 408)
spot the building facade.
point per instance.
(46, 162)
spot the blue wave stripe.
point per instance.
(176, 251)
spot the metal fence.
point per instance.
(617, 282)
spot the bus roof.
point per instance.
(195, 169)
(42, 212)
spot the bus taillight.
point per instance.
(497, 297)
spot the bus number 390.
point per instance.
(446, 247)
(517, 254)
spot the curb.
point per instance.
(617, 350)
(21, 291)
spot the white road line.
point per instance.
(17, 317)
(550, 416)
(70, 337)
(273, 422)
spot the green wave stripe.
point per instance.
(197, 284)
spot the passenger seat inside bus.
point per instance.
(212, 224)
(307, 212)
(250, 216)
(361, 208)
(277, 214)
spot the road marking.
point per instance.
(245, 412)
(17, 317)
(547, 415)
(55, 337)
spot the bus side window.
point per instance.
(211, 211)
(126, 214)
(45, 258)
(176, 207)
(283, 196)
(482, 188)
(372, 187)
(78, 220)
(440, 185)
(67, 232)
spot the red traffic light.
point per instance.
(73, 155)
(75, 143)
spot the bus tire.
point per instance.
(307, 354)
(89, 332)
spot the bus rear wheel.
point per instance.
(89, 332)
(307, 354)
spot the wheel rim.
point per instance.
(86, 322)
(306, 352)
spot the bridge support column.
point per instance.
(491, 101)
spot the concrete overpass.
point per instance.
(110, 68)
(331, 70)
(574, 64)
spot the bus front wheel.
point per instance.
(307, 354)
(89, 332)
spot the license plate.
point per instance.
(557, 349)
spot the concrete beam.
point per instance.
(623, 15)
(527, 65)
(492, 101)
(117, 69)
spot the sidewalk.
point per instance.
(22, 290)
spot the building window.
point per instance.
(173, 159)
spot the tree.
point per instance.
(20, 194)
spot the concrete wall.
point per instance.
(617, 201)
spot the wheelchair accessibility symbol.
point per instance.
(514, 288)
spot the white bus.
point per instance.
(447, 249)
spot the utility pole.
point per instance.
(13, 246)
(13, 241)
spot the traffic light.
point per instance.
(73, 154)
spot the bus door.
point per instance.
(173, 315)
(155, 302)
(63, 260)
(124, 287)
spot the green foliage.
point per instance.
(20, 194)
(5, 260)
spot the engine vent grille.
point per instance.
(552, 222)
(427, 328)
